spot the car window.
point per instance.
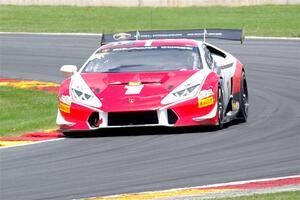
(208, 58)
(146, 58)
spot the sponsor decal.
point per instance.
(122, 36)
(135, 48)
(204, 33)
(205, 102)
(234, 105)
(177, 47)
(134, 83)
(64, 107)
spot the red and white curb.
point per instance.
(34, 137)
(31, 138)
(240, 188)
(29, 84)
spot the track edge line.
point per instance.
(32, 143)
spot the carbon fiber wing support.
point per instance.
(197, 34)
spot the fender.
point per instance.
(236, 79)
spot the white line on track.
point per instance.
(31, 143)
(99, 34)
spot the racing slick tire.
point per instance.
(220, 109)
(243, 100)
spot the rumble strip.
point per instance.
(29, 138)
(216, 190)
(30, 84)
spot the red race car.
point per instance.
(155, 78)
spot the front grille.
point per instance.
(132, 118)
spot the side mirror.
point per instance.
(69, 70)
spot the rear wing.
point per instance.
(197, 34)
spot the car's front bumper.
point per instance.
(185, 113)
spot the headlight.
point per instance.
(81, 92)
(181, 93)
(188, 89)
(78, 95)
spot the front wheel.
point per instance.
(220, 109)
(244, 99)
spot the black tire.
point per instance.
(220, 109)
(243, 100)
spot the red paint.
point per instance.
(155, 87)
(236, 80)
(79, 115)
(174, 42)
(111, 89)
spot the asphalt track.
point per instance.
(126, 160)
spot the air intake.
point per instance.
(132, 118)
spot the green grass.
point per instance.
(24, 110)
(294, 195)
(258, 20)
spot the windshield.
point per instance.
(144, 59)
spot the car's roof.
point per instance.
(157, 42)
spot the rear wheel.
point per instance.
(220, 109)
(244, 99)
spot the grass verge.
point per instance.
(24, 110)
(279, 20)
(293, 195)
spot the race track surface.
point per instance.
(126, 160)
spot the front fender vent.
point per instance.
(172, 117)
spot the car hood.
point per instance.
(120, 92)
